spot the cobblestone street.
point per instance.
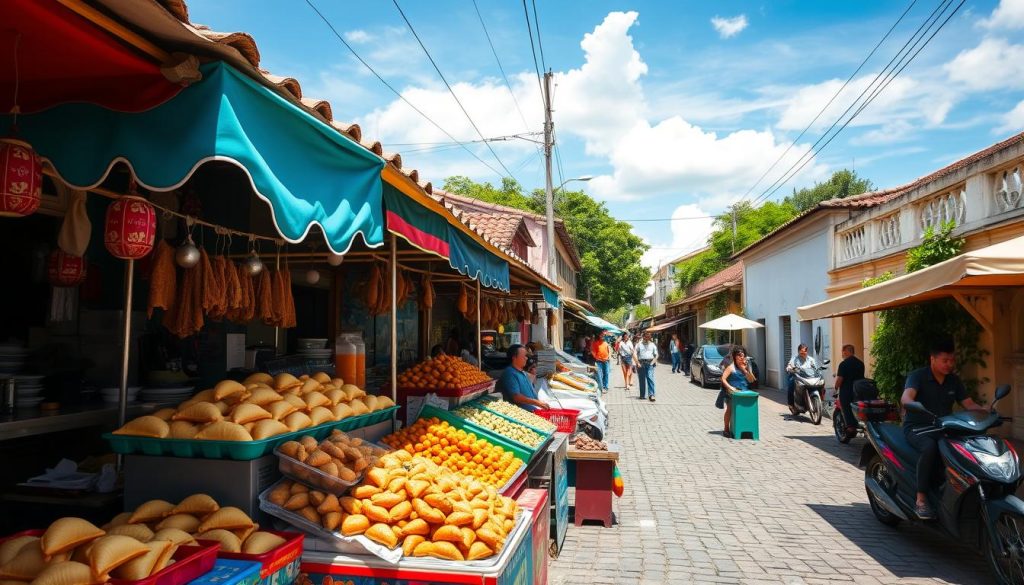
(699, 508)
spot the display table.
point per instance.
(595, 472)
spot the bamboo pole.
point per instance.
(394, 327)
(479, 343)
(126, 339)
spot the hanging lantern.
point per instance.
(65, 270)
(21, 174)
(312, 276)
(335, 259)
(130, 229)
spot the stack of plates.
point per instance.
(113, 395)
(167, 395)
(28, 391)
(12, 358)
(317, 353)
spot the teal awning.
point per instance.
(602, 324)
(305, 170)
(550, 296)
(472, 260)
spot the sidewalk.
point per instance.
(699, 508)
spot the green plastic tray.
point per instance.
(544, 436)
(520, 451)
(482, 404)
(237, 450)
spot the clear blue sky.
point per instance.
(676, 108)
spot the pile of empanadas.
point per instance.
(412, 502)
(261, 407)
(340, 460)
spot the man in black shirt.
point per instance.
(850, 370)
(936, 387)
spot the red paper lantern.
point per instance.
(130, 229)
(21, 178)
(65, 269)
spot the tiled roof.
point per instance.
(500, 227)
(729, 276)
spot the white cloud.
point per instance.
(687, 235)
(729, 27)
(993, 64)
(358, 36)
(1015, 117)
(1008, 15)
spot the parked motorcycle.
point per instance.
(864, 390)
(809, 394)
(976, 501)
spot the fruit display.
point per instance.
(258, 408)
(414, 503)
(333, 465)
(444, 372)
(521, 414)
(502, 426)
(457, 450)
(132, 546)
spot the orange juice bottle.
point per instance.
(357, 340)
(345, 359)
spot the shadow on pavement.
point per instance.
(849, 453)
(892, 548)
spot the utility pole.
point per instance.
(549, 198)
(734, 228)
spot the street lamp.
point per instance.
(550, 208)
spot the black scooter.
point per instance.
(974, 503)
(809, 393)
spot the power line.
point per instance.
(450, 90)
(540, 44)
(395, 91)
(901, 59)
(491, 139)
(832, 99)
(500, 68)
(536, 66)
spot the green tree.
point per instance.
(616, 316)
(900, 342)
(610, 253)
(843, 183)
(642, 312)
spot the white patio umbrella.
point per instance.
(730, 322)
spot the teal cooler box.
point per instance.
(231, 572)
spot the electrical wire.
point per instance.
(395, 91)
(540, 44)
(890, 76)
(829, 103)
(450, 90)
(533, 49)
(480, 16)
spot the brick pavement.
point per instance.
(699, 508)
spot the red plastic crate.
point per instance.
(274, 560)
(564, 418)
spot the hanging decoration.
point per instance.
(21, 171)
(187, 255)
(253, 265)
(130, 229)
(65, 270)
(335, 259)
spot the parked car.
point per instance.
(706, 366)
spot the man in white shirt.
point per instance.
(647, 356)
(803, 364)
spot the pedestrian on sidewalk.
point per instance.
(687, 356)
(602, 355)
(676, 352)
(850, 370)
(735, 378)
(647, 356)
(627, 358)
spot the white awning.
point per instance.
(999, 265)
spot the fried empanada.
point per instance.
(118, 520)
(285, 381)
(165, 413)
(297, 421)
(353, 391)
(310, 386)
(201, 396)
(145, 565)
(198, 505)
(280, 409)
(67, 533)
(151, 511)
(382, 533)
(299, 404)
(316, 398)
(447, 533)
(370, 401)
(12, 546)
(384, 402)
(479, 550)
(66, 573)
(109, 552)
(248, 412)
(139, 532)
(319, 415)
(336, 396)
(200, 412)
(227, 518)
(263, 397)
(265, 429)
(226, 388)
(145, 426)
(354, 524)
(259, 378)
(175, 535)
(185, 522)
(26, 563)
(228, 541)
(358, 406)
(182, 429)
(261, 542)
(224, 431)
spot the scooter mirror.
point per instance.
(1002, 391)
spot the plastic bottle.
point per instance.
(345, 358)
(357, 339)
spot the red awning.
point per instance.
(64, 58)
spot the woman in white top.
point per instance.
(627, 357)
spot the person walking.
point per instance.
(687, 356)
(850, 370)
(675, 351)
(735, 378)
(647, 357)
(627, 358)
(601, 352)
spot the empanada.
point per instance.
(447, 533)
(322, 377)
(297, 421)
(175, 535)
(310, 386)
(384, 402)
(109, 552)
(370, 401)
(200, 412)
(165, 413)
(248, 412)
(299, 404)
(224, 431)
(25, 565)
(280, 409)
(118, 520)
(261, 542)
(259, 378)
(319, 415)
(263, 397)
(145, 426)
(316, 398)
(479, 550)
(151, 511)
(354, 524)
(139, 532)
(185, 522)
(358, 406)
(182, 429)
(227, 518)
(265, 429)
(444, 550)
(67, 533)
(353, 391)
(228, 541)
(66, 573)
(285, 381)
(382, 533)
(336, 396)
(198, 505)
(145, 565)
(226, 388)
(12, 546)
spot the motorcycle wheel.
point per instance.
(1008, 566)
(876, 470)
(815, 410)
(839, 427)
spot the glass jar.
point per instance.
(357, 339)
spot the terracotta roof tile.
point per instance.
(726, 277)
(500, 227)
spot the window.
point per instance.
(1007, 190)
(889, 231)
(947, 207)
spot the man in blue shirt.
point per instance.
(514, 384)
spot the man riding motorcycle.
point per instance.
(803, 364)
(936, 387)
